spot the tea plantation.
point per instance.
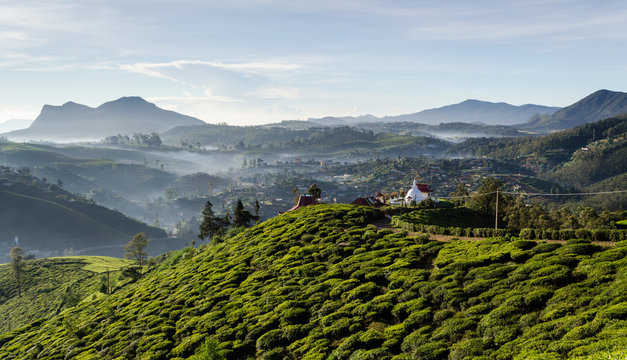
(52, 284)
(321, 283)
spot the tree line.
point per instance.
(153, 139)
(516, 214)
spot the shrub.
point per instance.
(271, 339)
(364, 292)
(617, 312)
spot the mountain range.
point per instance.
(127, 115)
(599, 105)
(469, 111)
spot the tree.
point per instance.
(136, 248)
(256, 208)
(210, 225)
(460, 193)
(485, 199)
(17, 257)
(154, 140)
(242, 217)
(315, 191)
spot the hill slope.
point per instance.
(594, 107)
(48, 218)
(580, 156)
(51, 285)
(127, 115)
(318, 283)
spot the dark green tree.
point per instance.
(136, 248)
(17, 263)
(315, 191)
(210, 225)
(242, 217)
(485, 199)
(256, 208)
(460, 192)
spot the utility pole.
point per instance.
(496, 215)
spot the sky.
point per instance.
(247, 62)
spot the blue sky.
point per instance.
(251, 62)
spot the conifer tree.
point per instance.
(17, 257)
(210, 224)
(242, 217)
(256, 209)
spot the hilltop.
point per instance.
(324, 283)
(75, 122)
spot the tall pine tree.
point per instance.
(211, 225)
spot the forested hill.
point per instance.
(311, 141)
(580, 156)
(324, 283)
(566, 140)
(46, 217)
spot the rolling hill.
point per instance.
(324, 283)
(48, 220)
(76, 122)
(579, 157)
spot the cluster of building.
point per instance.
(416, 194)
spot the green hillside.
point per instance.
(321, 283)
(578, 157)
(85, 174)
(47, 218)
(48, 284)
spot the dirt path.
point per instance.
(385, 223)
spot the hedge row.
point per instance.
(565, 234)
(527, 234)
(449, 230)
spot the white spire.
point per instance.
(414, 194)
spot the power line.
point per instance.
(533, 194)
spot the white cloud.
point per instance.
(225, 82)
(16, 112)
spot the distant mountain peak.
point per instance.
(599, 105)
(128, 101)
(126, 115)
